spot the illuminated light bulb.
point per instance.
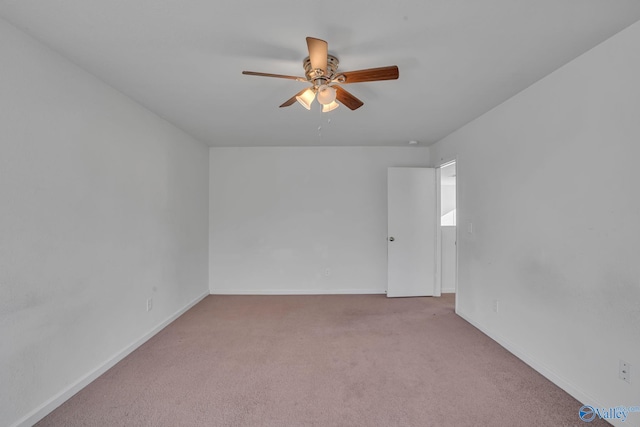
(330, 107)
(326, 94)
(306, 98)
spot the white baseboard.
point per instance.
(43, 410)
(541, 368)
(448, 290)
(296, 291)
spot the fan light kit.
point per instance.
(321, 70)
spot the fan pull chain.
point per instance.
(320, 125)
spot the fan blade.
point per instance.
(280, 76)
(371, 74)
(347, 99)
(318, 51)
(291, 100)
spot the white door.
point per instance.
(412, 232)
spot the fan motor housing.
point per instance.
(318, 77)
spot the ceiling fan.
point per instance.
(321, 70)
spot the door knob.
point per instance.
(391, 239)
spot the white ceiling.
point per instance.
(183, 59)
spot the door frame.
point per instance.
(437, 291)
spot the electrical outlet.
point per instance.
(624, 371)
(495, 305)
(149, 304)
(327, 272)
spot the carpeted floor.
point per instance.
(334, 360)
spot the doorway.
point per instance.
(448, 224)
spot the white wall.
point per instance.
(282, 218)
(102, 204)
(447, 199)
(540, 177)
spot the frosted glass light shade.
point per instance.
(330, 107)
(326, 94)
(306, 98)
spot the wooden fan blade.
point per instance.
(280, 76)
(347, 99)
(371, 74)
(318, 51)
(291, 100)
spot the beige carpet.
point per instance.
(338, 360)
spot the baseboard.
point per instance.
(57, 400)
(296, 292)
(539, 367)
(448, 290)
